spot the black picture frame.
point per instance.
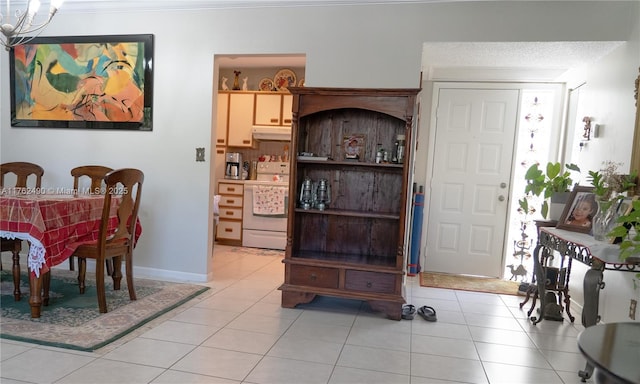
(579, 195)
(83, 82)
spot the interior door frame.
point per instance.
(558, 126)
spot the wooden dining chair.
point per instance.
(96, 174)
(23, 172)
(125, 184)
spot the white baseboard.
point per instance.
(152, 273)
(168, 275)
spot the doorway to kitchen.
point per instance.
(249, 92)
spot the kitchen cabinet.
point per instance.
(220, 164)
(354, 248)
(287, 103)
(222, 119)
(268, 109)
(229, 229)
(240, 120)
(273, 109)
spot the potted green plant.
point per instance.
(553, 184)
(609, 186)
(627, 230)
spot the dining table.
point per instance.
(54, 223)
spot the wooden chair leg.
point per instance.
(102, 296)
(129, 271)
(109, 264)
(71, 264)
(117, 272)
(17, 247)
(82, 271)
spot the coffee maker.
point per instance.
(233, 168)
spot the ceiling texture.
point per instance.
(541, 61)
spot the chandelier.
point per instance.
(17, 25)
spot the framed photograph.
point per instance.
(354, 146)
(579, 210)
(91, 82)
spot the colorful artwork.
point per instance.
(83, 82)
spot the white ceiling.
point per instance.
(438, 57)
(119, 5)
(543, 61)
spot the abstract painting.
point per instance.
(102, 82)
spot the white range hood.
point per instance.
(271, 133)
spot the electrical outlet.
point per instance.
(632, 309)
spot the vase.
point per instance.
(603, 221)
(236, 81)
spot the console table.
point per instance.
(598, 255)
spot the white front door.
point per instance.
(468, 203)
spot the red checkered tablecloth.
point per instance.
(54, 225)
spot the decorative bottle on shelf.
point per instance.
(236, 81)
(400, 149)
(379, 154)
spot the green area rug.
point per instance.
(72, 320)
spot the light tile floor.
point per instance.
(238, 333)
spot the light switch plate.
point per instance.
(199, 154)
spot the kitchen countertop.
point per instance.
(232, 181)
(253, 182)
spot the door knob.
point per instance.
(503, 185)
(501, 198)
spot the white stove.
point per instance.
(272, 171)
(260, 229)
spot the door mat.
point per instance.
(469, 283)
(73, 321)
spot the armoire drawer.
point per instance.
(370, 281)
(314, 276)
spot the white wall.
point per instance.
(346, 46)
(607, 97)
